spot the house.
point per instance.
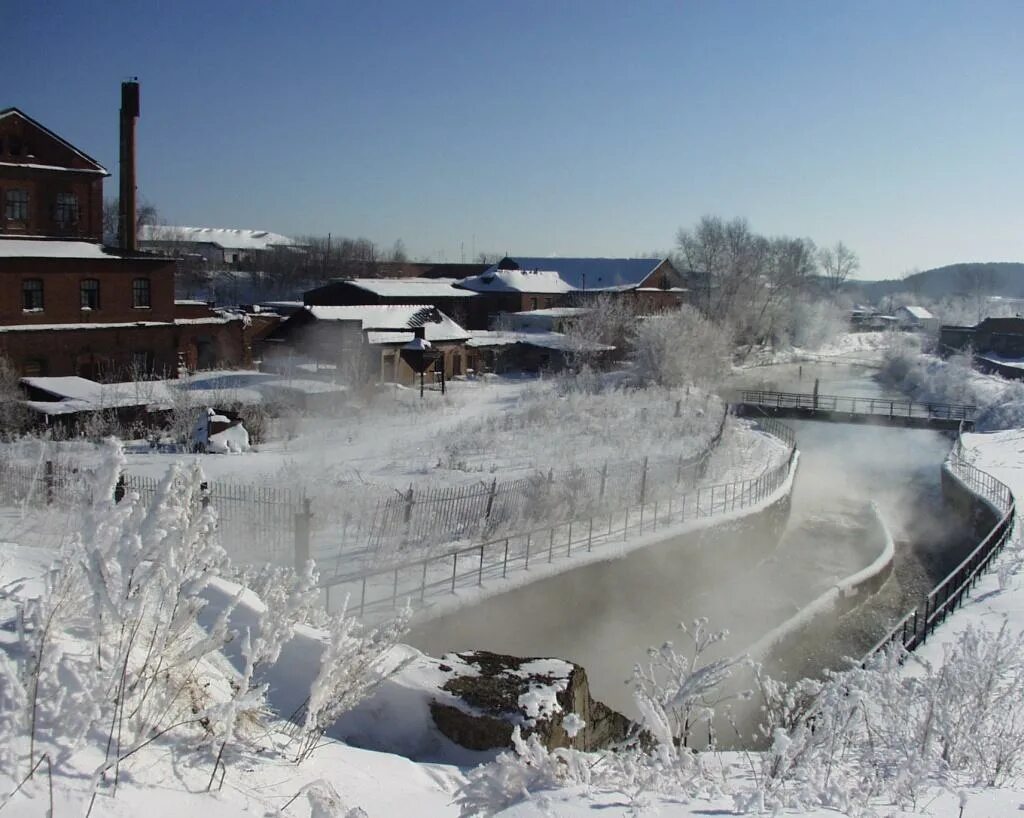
(68, 305)
(216, 246)
(915, 319)
(361, 343)
(521, 283)
(461, 304)
(529, 350)
(993, 338)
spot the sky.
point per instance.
(533, 127)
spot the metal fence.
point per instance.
(915, 628)
(346, 530)
(418, 518)
(384, 589)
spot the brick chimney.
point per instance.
(127, 228)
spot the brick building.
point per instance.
(70, 306)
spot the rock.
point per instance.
(498, 692)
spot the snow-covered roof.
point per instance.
(74, 394)
(53, 248)
(516, 281)
(411, 287)
(226, 237)
(920, 313)
(536, 338)
(217, 319)
(589, 273)
(390, 323)
(554, 312)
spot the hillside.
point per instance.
(1004, 278)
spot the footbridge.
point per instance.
(854, 409)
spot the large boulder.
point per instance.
(489, 694)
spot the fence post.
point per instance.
(504, 564)
(490, 498)
(527, 566)
(568, 545)
(48, 479)
(118, 489)
(590, 534)
(643, 486)
(455, 565)
(408, 506)
(551, 545)
(423, 582)
(604, 479)
(480, 573)
(302, 526)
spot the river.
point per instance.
(747, 580)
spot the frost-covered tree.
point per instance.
(680, 348)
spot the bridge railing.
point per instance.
(917, 625)
(857, 405)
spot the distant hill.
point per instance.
(1004, 278)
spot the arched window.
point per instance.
(32, 294)
(140, 293)
(90, 289)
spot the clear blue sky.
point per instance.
(571, 128)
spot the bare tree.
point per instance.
(837, 264)
(976, 283)
(146, 214)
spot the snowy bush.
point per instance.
(680, 348)
(879, 732)
(119, 651)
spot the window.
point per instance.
(32, 294)
(140, 293)
(90, 290)
(533, 302)
(65, 212)
(17, 205)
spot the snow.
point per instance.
(536, 338)
(233, 440)
(410, 287)
(161, 783)
(225, 237)
(54, 248)
(516, 281)
(919, 313)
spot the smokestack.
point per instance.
(127, 227)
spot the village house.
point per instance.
(520, 283)
(915, 319)
(460, 304)
(69, 305)
(362, 344)
(994, 337)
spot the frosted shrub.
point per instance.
(878, 732)
(113, 655)
(680, 348)
(352, 665)
(528, 770)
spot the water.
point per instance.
(747, 580)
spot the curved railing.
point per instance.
(917, 625)
(386, 588)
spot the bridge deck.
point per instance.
(856, 409)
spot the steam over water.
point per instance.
(746, 579)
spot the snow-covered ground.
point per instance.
(176, 773)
